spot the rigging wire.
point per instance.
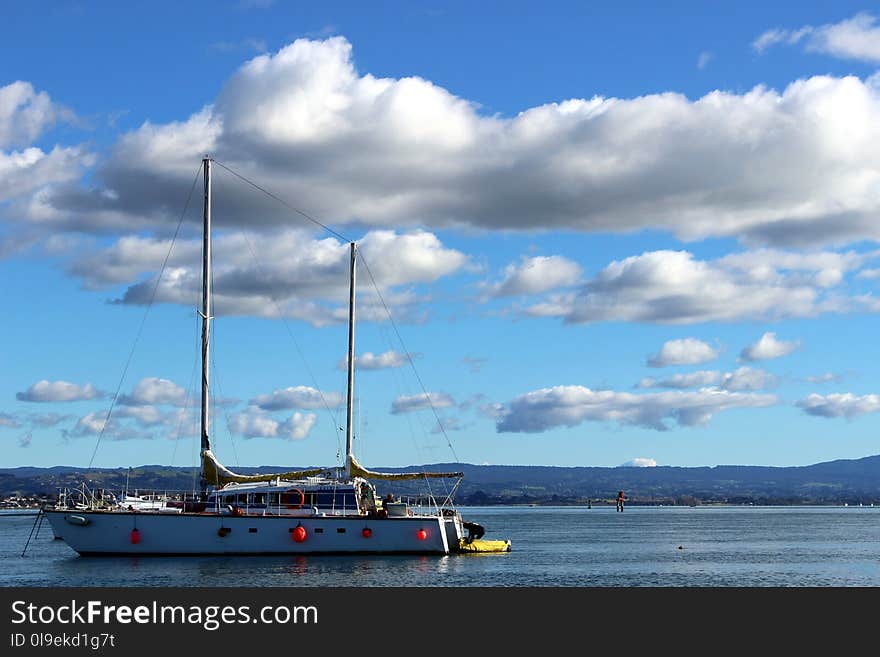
(273, 298)
(144, 319)
(333, 416)
(409, 358)
(440, 424)
(190, 388)
(283, 202)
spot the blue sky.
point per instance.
(607, 236)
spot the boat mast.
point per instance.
(350, 402)
(206, 312)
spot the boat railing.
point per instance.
(85, 497)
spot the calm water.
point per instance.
(561, 546)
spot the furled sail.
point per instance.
(217, 474)
(357, 470)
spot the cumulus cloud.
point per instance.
(96, 423)
(793, 166)
(673, 287)
(835, 405)
(296, 275)
(421, 401)
(853, 38)
(639, 462)
(370, 361)
(536, 275)
(58, 391)
(747, 378)
(33, 171)
(254, 422)
(28, 173)
(679, 381)
(154, 390)
(686, 351)
(547, 408)
(767, 347)
(147, 416)
(26, 113)
(743, 378)
(303, 397)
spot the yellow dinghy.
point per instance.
(481, 546)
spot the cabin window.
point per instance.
(337, 499)
(319, 530)
(241, 498)
(259, 498)
(340, 530)
(252, 530)
(273, 499)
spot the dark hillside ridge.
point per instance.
(855, 481)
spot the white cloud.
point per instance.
(58, 391)
(94, 423)
(791, 167)
(303, 397)
(28, 173)
(410, 403)
(686, 351)
(827, 377)
(747, 378)
(370, 361)
(744, 378)
(32, 170)
(639, 462)
(672, 287)
(25, 114)
(154, 390)
(869, 274)
(835, 405)
(257, 423)
(767, 347)
(536, 275)
(853, 38)
(547, 408)
(703, 59)
(147, 416)
(777, 35)
(296, 275)
(679, 381)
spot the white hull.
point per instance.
(110, 532)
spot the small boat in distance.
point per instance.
(316, 511)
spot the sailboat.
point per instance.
(317, 511)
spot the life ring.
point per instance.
(285, 497)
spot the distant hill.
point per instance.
(834, 482)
